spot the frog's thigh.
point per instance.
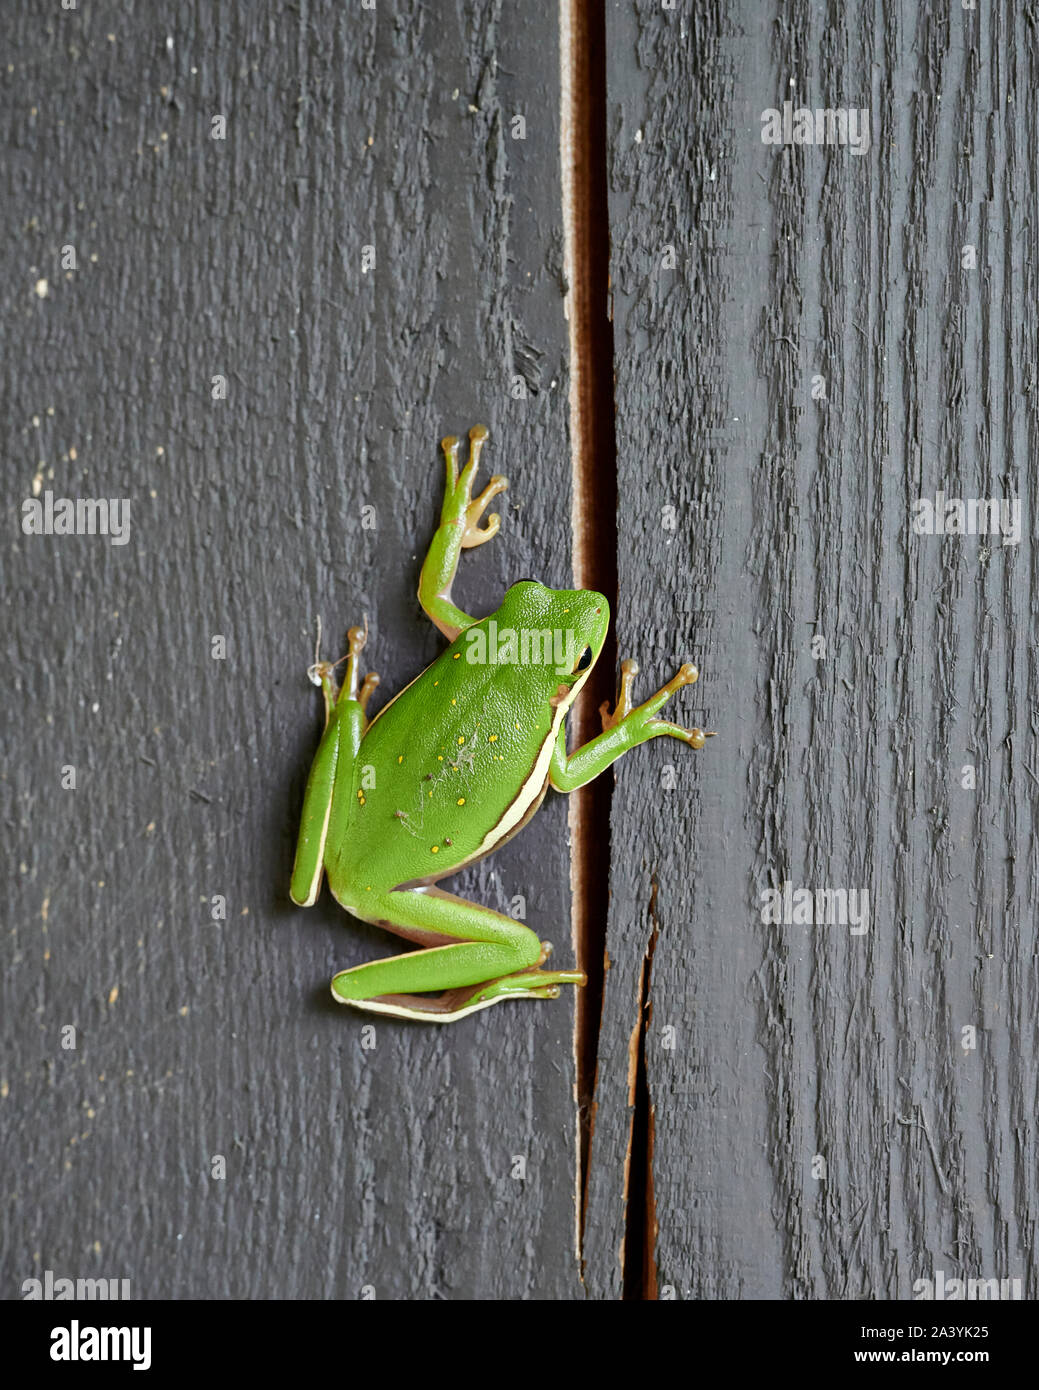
(483, 945)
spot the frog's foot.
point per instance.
(527, 984)
(642, 716)
(460, 507)
(629, 670)
(322, 673)
(454, 1004)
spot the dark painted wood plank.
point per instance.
(392, 1169)
(793, 521)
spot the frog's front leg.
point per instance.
(459, 530)
(477, 956)
(346, 718)
(625, 728)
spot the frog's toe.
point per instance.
(477, 439)
(696, 738)
(368, 687)
(473, 533)
(320, 671)
(623, 707)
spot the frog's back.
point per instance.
(438, 773)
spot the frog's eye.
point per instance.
(584, 660)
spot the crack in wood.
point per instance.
(593, 510)
(638, 1266)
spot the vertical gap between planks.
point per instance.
(638, 1267)
(593, 511)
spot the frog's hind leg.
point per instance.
(486, 958)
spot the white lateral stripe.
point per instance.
(400, 1011)
(532, 788)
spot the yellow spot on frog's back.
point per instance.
(456, 656)
(461, 801)
(436, 682)
(436, 849)
(440, 757)
(492, 738)
(461, 740)
(517, 726)
(401, 758)
(454, 702)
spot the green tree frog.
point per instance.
(452, 767)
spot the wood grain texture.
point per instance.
(769, 1045)
(752, 519)
(392, 1169)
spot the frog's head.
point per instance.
(560, 634)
